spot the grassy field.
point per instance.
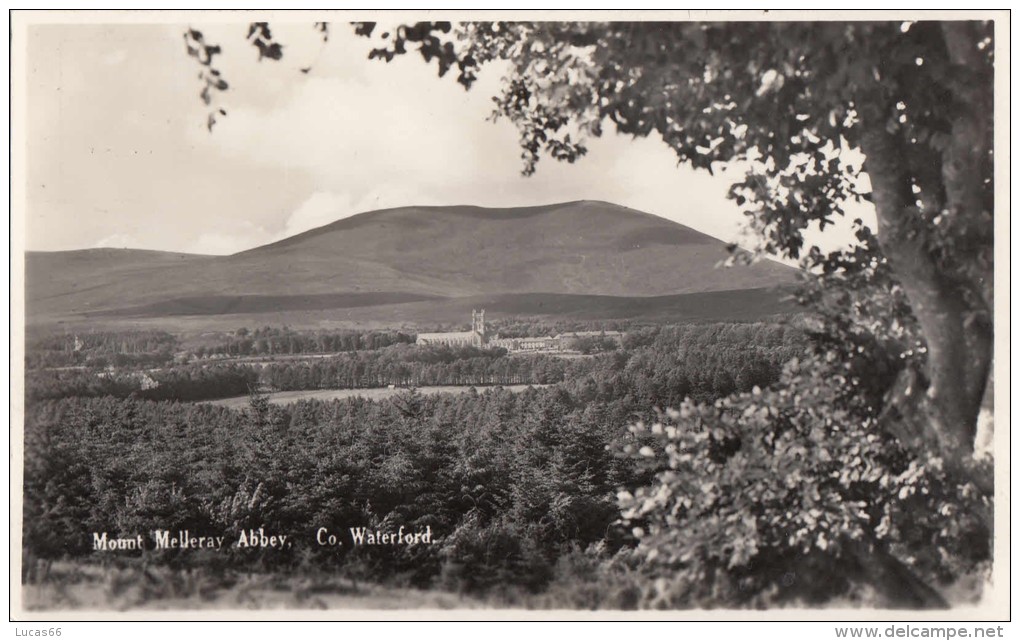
(374, 393)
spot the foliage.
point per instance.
(592, 344)
(99, 349)
(713, 358)
(500, 554)
(271, 341)
(508, 482)
(186, 383)
(788, 494)
(747, 500)
(871, 436)
(129, 467)
(795, 102)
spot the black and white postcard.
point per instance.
(326, 314)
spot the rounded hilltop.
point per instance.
(579, 247)
(401, 255)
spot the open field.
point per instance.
(374, 393)
(730, 305)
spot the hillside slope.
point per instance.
(580, 247)
(411, 253)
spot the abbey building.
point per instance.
(479, 337)
(474, 338)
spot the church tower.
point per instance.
(478, 328)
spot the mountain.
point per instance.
(408, 255)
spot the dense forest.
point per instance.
(100, 349)
(511, 483)
(843, 463)
(530, 470)
(151, 348)
(703, 361)
(270, 341)
(155, 348)
(555, 492)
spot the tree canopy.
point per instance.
(904, 333)
(790, 98)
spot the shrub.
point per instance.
(796, 495)
(478, 557)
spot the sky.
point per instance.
(119, 155)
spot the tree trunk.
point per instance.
(957, 368)
(967, 177)
(967, 170)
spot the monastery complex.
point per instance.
(479, 337)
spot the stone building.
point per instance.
(474, 338)
(479, 337)
(527, 344)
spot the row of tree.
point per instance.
(270, 341)
(703, 361)
(139, 348)
(182, 383)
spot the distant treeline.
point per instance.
(523, 327)
(147, 349)
(269, 341)
(701, 361)
(143, 348)
(181, 383)
(150, 349)
(412, 365)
